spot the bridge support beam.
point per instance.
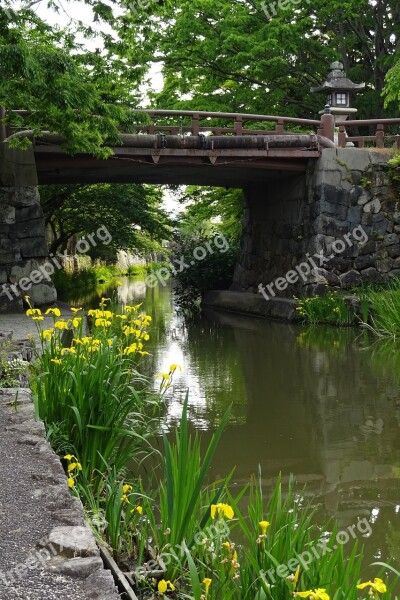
(23, 246)
(335, 227)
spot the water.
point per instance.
(321, 403)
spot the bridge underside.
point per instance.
(230, 168)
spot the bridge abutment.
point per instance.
(23, 245)
(337, 226)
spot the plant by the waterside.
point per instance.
(87, 385)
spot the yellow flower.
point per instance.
(130, 349)
(61, 325)
(53, 311)
(56, 361)
(123, 317)
(296, 577)
(75, 310)
(139, 509)
(226, 545)
(68, 351)
(71, 467)
(71, 482)
(223, 510)
(142, 353)
(70, 457)
(207, 582)
(46, 334)
(125, 499)
(162, 586)
(33, 311)
(102, 323)
(376, 585)
(76, 321)
(38, 318)
(174, 367)
(264, 526)
(126, 488)
(319, 594)
(171, 585)
(128, 330)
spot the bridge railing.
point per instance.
(238, 126)
(379, 139)
(187, 122)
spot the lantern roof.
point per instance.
(337, 80)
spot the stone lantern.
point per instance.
(339, 88)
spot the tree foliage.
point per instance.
(208, 209)
(63, 87)
(253, 56)
(132, 214)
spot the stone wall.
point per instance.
(303, 216)
(23, 246)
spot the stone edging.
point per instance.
(72, 548)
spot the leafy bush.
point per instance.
(213, 271)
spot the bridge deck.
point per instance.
(200, 167)
(198, 160)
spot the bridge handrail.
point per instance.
(227, 115)
(379, 138)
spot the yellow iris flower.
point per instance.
(223, 510)
(53, 311)
(318, 594)
(377, 585)
(264, 526)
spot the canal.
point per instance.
(322, 403)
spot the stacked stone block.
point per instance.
(300, 216)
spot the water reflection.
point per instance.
(321, 403)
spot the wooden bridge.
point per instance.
(206, 148)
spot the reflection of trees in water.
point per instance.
(215, 364)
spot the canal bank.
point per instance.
(46, 549)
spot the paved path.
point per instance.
(21, 325)
(34, 502)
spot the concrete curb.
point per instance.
(282, 309)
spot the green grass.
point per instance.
(331, 308)
(383, 304)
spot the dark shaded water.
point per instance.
(321, 403)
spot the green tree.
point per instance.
(86, 96)
(212, 209)
(131, 213)
(252, 56)
(392, 88)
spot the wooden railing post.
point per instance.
(195, 124)
(380, 135)
(238, 125)
(280, 126)
(342, 136)
(328, 126)
(3, 131)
